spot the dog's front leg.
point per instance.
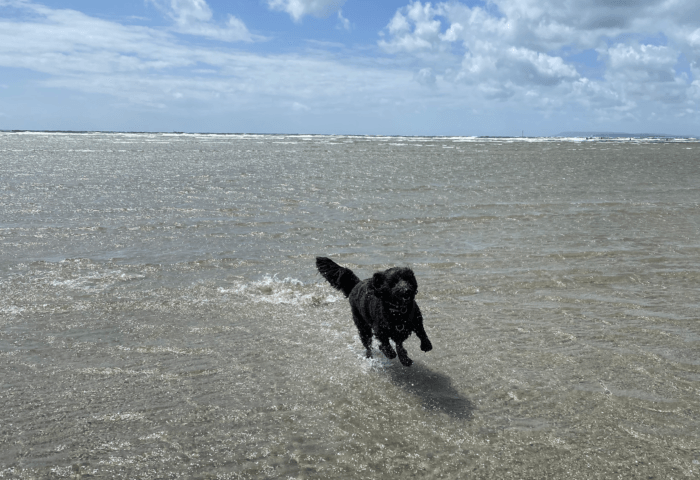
(425, 344)
(386, 347)
(403, 356)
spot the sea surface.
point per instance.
(161, 316)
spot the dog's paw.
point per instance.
(387, 351)
(426, 346)
(403, 356)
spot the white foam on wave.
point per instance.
(95, 281)
(11, 310)
(290, 291)
(118, 416)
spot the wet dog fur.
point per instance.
(383, 306)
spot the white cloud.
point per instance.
(187, 12)
(586, 24)
(150, 67)
(642, 63)
(517, 50)
(414, 28)
(491, 59)
(194, 17)
(645, 73)
(529, 67)
(343, 22)
(300, 8)
(300, 107)
(66, 41)
(426, 77)
(453, 33)
(441, 57)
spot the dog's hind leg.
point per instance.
(366, 339)
(403, 356)
(365, 332)
(386, 348)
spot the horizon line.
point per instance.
(572, 134)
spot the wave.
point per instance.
(290, 291)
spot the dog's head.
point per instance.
(397, 286)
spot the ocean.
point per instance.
(161, 315)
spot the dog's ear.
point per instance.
(377, 284)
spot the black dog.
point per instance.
(383, 306)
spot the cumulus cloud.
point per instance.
(298, 9)
(438, 57)
(414, 28)
(194, 17)
(528, 67)
(519, 49)
(645, 73)
(642, 63)
(492, 59)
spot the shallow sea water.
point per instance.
(161, 317)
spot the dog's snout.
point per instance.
(403, 290)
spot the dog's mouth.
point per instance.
(404, 299)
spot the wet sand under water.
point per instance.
(168, 322)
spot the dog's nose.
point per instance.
(403, 291)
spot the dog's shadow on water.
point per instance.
(434, 389)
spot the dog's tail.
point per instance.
(339, 277)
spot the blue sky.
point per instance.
(497, 67)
